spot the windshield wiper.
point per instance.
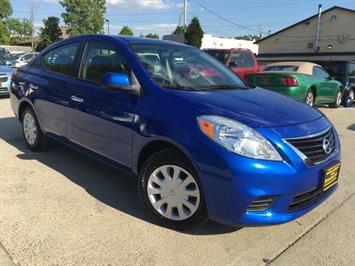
(225, 87)
(179, 87)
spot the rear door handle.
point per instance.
(76, 99)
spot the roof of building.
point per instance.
(305, 20)
(303, 67)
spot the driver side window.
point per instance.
(320, 73)
(101, 58)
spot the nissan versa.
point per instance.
(202, 143)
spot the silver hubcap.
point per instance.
(351, 95)
(29, 128)
(310, 99)
(173, 192)
(338, 99)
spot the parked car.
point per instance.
(344, 71)
(303, 81)
(6, 56)
(24, 59)
(5, 78)
(201, 143)
(240, 61)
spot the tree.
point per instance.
(5, 9)
(126, 31)
(194, 33)
(152, 36)
(84, 16)
(19, 28)
(179, 29)
(49, 33)
(248, 37)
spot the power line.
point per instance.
(225, 19)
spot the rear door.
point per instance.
(101, 119)
(51, 87)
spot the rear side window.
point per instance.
(62, 59)
(242, 59)
(101, 58)
(281, 68)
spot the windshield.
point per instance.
(335, 69)
(180, 67)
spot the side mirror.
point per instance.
(116, 81)
(233, 64)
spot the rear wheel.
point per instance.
(170, 191)
(337, 102)
(310, 99)
(34, 136)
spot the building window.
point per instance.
(310, 45)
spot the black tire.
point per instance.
(162, 158)
(310, 95)
(338, 100)
(41, 140)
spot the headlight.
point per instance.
(237, 137)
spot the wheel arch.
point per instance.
(155, 146)
(22, 108)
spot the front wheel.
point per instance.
(310, 99)
(34, 136)
(337, 102)
(171, 192)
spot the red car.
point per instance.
(240, 61)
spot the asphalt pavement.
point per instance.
(60, 207)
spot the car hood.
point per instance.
(253, 107)
(6, 69)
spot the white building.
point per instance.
(210, 42)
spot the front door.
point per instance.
(98, 118)
(326, 90)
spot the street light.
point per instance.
(108, 26)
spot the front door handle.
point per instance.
(76, 99)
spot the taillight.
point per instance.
(289, 82)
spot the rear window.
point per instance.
(281, 68)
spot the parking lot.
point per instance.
(61, 207)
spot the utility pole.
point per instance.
(108, 26)
(318, 28)
(185, 13)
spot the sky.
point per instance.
(162, 16)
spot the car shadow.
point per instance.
(352, 127)
(101, 181)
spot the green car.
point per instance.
(303, 81)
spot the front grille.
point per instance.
(4, 79)
(261, 204)
(313, 146)
(305, 199)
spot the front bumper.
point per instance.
(5, 86)
(244, 180)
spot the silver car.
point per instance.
(5, 78)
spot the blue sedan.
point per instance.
(201, 143)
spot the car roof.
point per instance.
(303, 67)
(126, 39)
